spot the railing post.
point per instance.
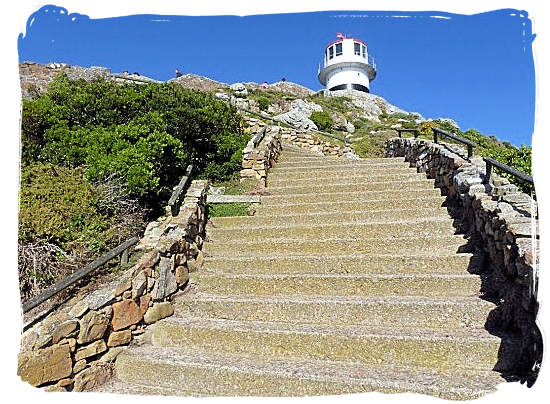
(416, 133)
(469, 152)
(488, 167)
(124, 258)
(399, 133)
(435, 135)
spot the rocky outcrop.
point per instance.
(239, 90)
(35, 78)
(196, 82)
(298, 116)
(291, 88)
(371, 105)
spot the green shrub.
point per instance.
(322, 119)
(146, 134)
(57, 206)
(263, 103)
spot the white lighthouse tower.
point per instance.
(347, 65)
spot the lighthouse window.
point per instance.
(364, 51)
(338, 47)
(357, 48)
(330, 52)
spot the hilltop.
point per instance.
(363, 120)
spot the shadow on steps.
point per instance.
(520, 352)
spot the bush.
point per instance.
(322, 120)
(146, 134)
(263, 103)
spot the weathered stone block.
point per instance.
(92, 327)
(125, 313)
(45, 365)
(158, 311)
(92, 349)
(119, 338)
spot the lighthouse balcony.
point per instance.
(364, 67)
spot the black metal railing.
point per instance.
(175, 200)
(490, 163)
(469, 144)
(259, 137)
(122, 249)
(413, 130)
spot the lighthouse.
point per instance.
(347, 65)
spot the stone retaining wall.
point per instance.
(313, 143)
(258, 160)
(73, 347)
(498, 220)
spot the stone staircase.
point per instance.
(349, 278)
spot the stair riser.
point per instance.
(334, 265)
(388, 204)
(469, 285)
(293, 218)
(340, 163)
(345, 173)
(322, 169)
(383, 314)
(208, 381)
(369, 349)
(295, 247)
(273, 181)
(349, 196)
(350, 187)
(351, 230)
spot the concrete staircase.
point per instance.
(349, 278)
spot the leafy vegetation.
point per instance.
(322, 120)
(97, 157)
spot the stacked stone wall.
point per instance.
(500, 222)
(258, 160)
(73, 347)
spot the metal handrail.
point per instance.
(259, 137)
(81, 273)
(175, 199)
(470, 145)
(489, 163)
(414, 130)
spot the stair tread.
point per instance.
(255, 326)
(449, 384)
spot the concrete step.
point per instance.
(338, 161)
(191, 372)
(351, 187)
(341, 264)
(360, 178)
(353, 230)
(324, 245)
(340, 168)
(399, 312)
(471, 349)
(362, 216)
(352, 285)
(344, 206)
(348, 196)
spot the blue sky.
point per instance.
(477, 70)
